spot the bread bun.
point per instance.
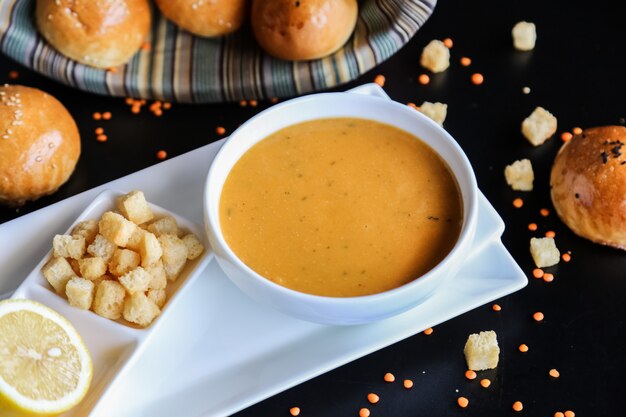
(303, 30)
(588, 185)
(99, 33)
(205, 17)
(39, 144)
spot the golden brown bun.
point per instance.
(39, 144)
(205, 17)
(588, 185)
(100, 33)
(303, 30)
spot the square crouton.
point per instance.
(116, 228)
(194, 246)
(136, 280)
(519, 175)
(435, 56)
(58, 272)
(159, 297)
(140, 309)
(539, 126)
(544, 251)
(158, 279)
(164, 226)
(80, 292)
(67, 246)
(122, 261)
(524, 36)
(135, 238)
(109, 299)
(135, 207)
(92, 268)
(436, 111)
(87, 229)
(149, 249)
(174, 255)
(102, 248)
(105, 277)
(482, 351)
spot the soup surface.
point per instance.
(341, 207)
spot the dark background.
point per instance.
(578, 72)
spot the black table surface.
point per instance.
(578, 72)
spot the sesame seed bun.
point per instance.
(303, 30)
(39, 144)
(99, 33)
(588, 185)
(207, 18)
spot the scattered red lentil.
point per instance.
(469, 374)
(566, 257)
(548, 277)
(146, 46)
(496, 307)
(102, 138)
(477, 78)
(554, 373)
(167, 105)
(523, 348)
(448, 42)
(544, 212)
(97, 116)
(389, 377)
(428, 331)
(220, 130)
(559, 414)
(99, 131)
(569, 413)
(550, 233)
(412, 105)
(373, 398)
(485, 383)
(13, 75)
(253, 103)
(364, 412)
(532, 226)
(462, 402)
(566, 136)
(380, 80)
(243, 103)
(538, 316)
(112, 70)
(538, 273)
(274, 100)
(518, 203)
(577, 131)
(106, 115)
(465, 61)
(423, 79)
(129, 100)
(408, 384)
(518, 406)
(161, 154)
(294, 411)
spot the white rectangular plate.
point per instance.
(216, 351)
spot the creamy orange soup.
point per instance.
(341, 207)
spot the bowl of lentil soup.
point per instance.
(339, 208)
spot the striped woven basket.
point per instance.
(184, 68)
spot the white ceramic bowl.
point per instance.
(333, 310)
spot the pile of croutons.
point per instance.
(120, 265)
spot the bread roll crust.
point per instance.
(39, 144)
(206, 18)
(303, 30)
(99, 33)
(588, 185)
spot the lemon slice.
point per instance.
(45, 368)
